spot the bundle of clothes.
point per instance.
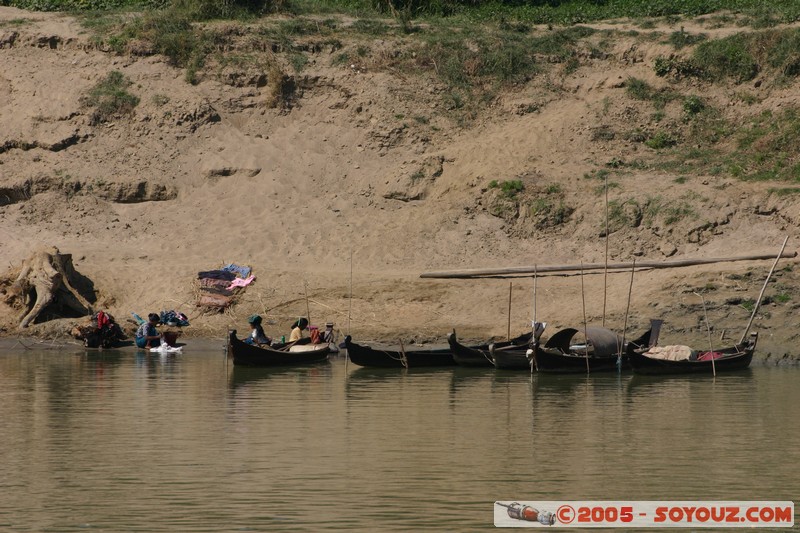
(101, 330)
(218, 288)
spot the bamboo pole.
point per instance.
(308, 309)
(350, 306)
(761, 294)
(534, 300)
(585, 327)
(534, 341)
(627, 309)
(510, 286)
(710, 344)
(605, 270)
(478, 272)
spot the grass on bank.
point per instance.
(110, 98)
(476, 50)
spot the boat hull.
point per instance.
(244, 354)
(642, 364)
(731, 359)
(576, 363)
(511, 358)
(367, 356)
(479, 355)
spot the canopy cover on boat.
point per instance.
(602, 341)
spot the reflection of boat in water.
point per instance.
(566, 389)
(680, 384)
(242, 376)
(384, 374)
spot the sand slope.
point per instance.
(366, 172)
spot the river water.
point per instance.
(120, 440)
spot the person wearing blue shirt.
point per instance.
(147, 335)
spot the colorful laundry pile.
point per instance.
(218, 289)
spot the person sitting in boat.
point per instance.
(297, 329)
(147, 335)
(257, 335)
(328, 335)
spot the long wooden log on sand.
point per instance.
(518, 271)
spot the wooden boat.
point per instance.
(602, 351)
(643, 358)
(252, 355)
(510, 357)
(479, 355)
(363, 355)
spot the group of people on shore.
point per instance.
(259, 337)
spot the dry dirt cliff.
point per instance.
(365, 176)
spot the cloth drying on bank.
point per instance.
(241, 271)
(239, 282)
(211, 282)
(218, 289)
(217, 274)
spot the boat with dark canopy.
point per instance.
(646, 357)
(245, 354)
(363, 355)
(479, 355)
(601, 351)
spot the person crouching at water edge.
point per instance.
(147, 335)
(257, 335)
(297, 329)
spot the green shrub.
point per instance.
(782, 297)
(680, 68)
(692, 105)
(622, 214)
(661, 139)
(727, 58)
(110, 99)
(638, 89)
(679, 39)
(511, 187)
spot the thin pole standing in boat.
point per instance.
(761, 295)
(350, 308)
(308, 309)
(605, 270)
(710, 345)
(534, 299)
(585, 328)
(627, 308)
(533, 324)
(510, 286)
